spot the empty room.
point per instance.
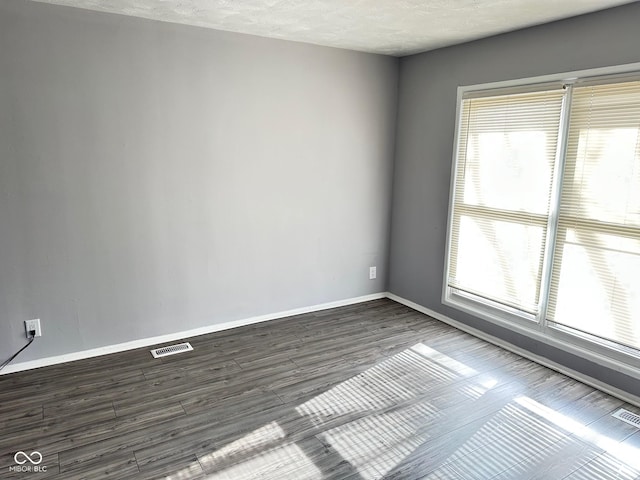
(283, 239)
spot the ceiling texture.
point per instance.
(391, 27)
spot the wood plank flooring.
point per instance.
(369, 391)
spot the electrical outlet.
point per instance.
(33, 325)
(372, 273)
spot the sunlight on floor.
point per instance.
(365, 443)
(605, 467)
(191, 471)
(391, 414)
(401, 377)
(622, 452)
(527, 433)
(508, 437)
(257, 441)
(273, 463)
(444, 360)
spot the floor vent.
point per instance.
(171, 350)
(628, 417)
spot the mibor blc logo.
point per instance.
(28, 463)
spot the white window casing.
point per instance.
(544, 215)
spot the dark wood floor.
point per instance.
(374, 390)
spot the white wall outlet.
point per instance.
(372, 273)
(33, 325)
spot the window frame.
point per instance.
(601, 352)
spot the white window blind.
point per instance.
(595, 282)
(505, 170)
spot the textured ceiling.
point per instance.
(394, 27)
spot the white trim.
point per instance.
(452, 193)
(589, 350)
(554, 209)
(611, 390)
(146, 342)
(566, 77)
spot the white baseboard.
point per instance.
(146, 342)
(611, 390)
(171, 337)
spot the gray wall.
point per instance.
(425, 134)
(156, 177)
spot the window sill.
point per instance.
(620, 360)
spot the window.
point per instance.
(595, 285)
(544, 229)
(506, 160)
